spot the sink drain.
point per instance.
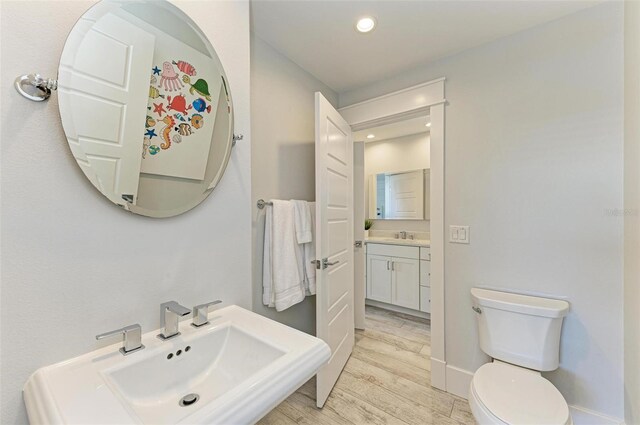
(189, 399)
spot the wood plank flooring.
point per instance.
(387, 380)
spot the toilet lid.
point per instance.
(519, 396)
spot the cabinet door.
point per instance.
(406, 283)
(425, 273)
(425, 299)
(379, 278)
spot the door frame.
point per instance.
(420, 100)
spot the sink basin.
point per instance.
(233, 370)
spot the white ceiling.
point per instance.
(320, 37)
(393, 131)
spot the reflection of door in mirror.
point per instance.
(406, 195)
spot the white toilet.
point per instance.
(522, 335)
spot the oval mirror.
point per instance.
(145, 106)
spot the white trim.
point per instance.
(438, 373)
(458, 381)
(396, 308)
(582, 416)
(403, 103)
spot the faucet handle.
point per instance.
(200, 313)
(131, 335)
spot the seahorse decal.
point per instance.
(170, 122)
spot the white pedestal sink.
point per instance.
(237, 368)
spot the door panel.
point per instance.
(379, 278)
(406, 195)
(405, 283)
(334, 242)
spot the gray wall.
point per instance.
(73, 264)
(632, 213)
(282, 156)
(534, 160)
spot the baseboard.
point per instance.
(458, 381)
(397, 309)
(438, 374)
(582, 416)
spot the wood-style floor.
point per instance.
(386, 381)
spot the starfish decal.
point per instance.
(158, 108)
(150, 133)
(156, 70)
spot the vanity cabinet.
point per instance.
(394, 276)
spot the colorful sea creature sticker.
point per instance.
(169, 78)
(178, 104)
(184, 129)
(177, 138)
(151, 133)
(185, 67)
(200, 105)
(197, 121)
(154, 93)
(150, 122)
(179, 117)
(166, 132)
(156, 70)
(153, 80)
(159, 108)
(145, 147)
(200, 86)
(153, 149)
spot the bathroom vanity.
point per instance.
(397, 274)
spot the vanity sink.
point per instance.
(233, 370)
(397, 241)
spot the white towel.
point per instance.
(303, 221)
(282, 276)
(309, 254)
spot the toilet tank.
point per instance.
(519, 329)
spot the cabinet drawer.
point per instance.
(393, 250)
(425, 299)
(425, 273)
(425, 253)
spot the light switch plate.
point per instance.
(459, 234)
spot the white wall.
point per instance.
(402, 154)
(534, 159)
(632, 213)
(282, 156)
(73, 264)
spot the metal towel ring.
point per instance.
(35, 87)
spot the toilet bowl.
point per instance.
(521, 333)
(504, 394)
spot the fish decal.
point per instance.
(170, 122)
(185, 67)
(154, 93)
(178, 104)
(184, 129)
(200, 105)
(197, 121)
(179, 117)
(177, 138)
(150, 122)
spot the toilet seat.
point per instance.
(504, 394)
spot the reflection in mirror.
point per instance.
(399, 196)
(145, 105)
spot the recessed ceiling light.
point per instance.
(366, 24)
(428, 124)
(370, 136)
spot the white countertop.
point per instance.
(392, 241)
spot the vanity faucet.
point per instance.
(201, 313)
(170, 313)
(131, 335)
(403, 234)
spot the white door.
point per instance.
(359, 260)
(334, 242)
(379, 278)
(406, 195)
(405, 283)
(106, 128)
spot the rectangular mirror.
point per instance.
(399, 195)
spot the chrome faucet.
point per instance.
(403, 234)
(201, 313)
(170, 313)
(131, 335)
